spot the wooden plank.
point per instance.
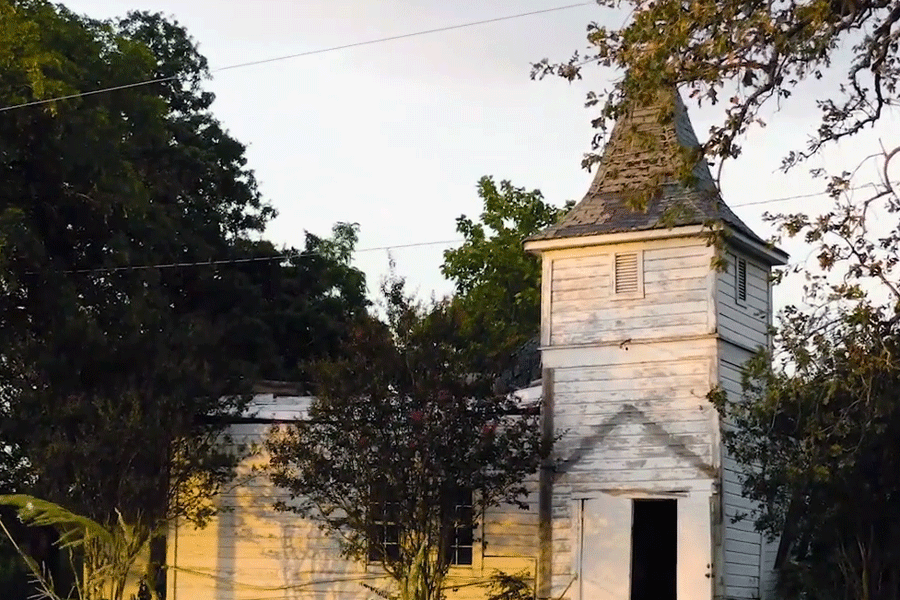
(567, 310)
(740, 535)
(674, 478)
(659, 382)
(579, 262)
(677, 252)
(565, 273)
(605, 332)
(668, 263)
(741, 581)
(598, 283)
(746, 569)
(697, 273)
(546, 295)
(653, 289)
(638, 370)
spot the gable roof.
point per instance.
(642, 159)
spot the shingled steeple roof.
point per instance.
(642, 164)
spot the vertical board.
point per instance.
(605, 569)
(694, 547)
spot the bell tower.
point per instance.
(637, 326)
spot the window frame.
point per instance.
(460, 527)
(379, 527)
(374, 557)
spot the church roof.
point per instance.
(641, 166)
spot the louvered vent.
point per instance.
(740, 281)
(627, 275)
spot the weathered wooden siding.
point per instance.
(635, 423)
(581, 308)
(744, 324)
(742, 543)
(767, 571)
(252, 551)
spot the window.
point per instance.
(740, 281)
(654, 549)
(384, 528)
(462, 539)
(628, 276)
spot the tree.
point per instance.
(281, 314)
(400, 431)
(498, 284)
(817, 430)
(753, 54)
(138, 303)
(817, 433)
(823, 441)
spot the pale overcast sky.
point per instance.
(394, 136)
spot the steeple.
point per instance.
(640, 182)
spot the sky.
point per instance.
(394, 136)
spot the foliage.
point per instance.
(824, 439)
(113, 377)
(511, 586)
(402, 417)
(819, 426)
(498, 284)
(108, 553)
(13, 574)
(753, 54)
(817, 432)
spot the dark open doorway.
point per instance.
(654, 549)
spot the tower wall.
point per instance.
(744, 314)
(630, 376)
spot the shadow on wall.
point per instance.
(251, 551)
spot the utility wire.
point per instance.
(810, 195)
(289, 255)
(234, 261)
(302, 54)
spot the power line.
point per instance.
(289, 255)
(797, 197)
(234, 261)
(302, 54)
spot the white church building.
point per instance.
(637, 326)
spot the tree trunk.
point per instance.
(422, 581)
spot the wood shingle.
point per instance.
(650, 176)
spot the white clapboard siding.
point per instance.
(634, 421)
(251, 551)
(743, 545)
(631, 422)
(767, 572)
(665, 293)
(744, 322)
